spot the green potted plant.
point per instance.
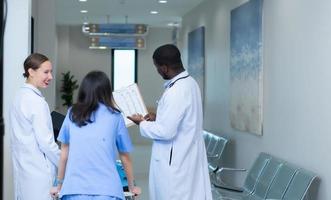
(69, 85)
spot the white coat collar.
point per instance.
(180, 75)
(33, 88)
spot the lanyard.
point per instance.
(172, 84)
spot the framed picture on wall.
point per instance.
(246, 71)
(196, 57)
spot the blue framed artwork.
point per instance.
(246, 72)
(196, 57)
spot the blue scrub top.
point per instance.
(91, 165)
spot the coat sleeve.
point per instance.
(43, 130)
(169, 117)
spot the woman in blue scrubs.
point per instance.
(91, 135)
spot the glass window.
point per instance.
(124, 68)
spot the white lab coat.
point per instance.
(34, 152)
(182, 174)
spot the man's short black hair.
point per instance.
(168, 55)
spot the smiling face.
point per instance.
(41, 77)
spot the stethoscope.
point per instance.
(172, 84)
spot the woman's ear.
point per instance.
(31, 72)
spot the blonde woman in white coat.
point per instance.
(34, 151)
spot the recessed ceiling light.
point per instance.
(84, 11)
(154, 12)
(163, 1)
(82, 0)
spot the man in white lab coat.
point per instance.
(178, 168)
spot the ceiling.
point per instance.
(123, 11)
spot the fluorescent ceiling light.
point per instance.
(115, 29)
(154, 12)
(84, 11)
(82, 0)
(163, 1)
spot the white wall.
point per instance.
(297, 75)
(46, 40)
(16, 49)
